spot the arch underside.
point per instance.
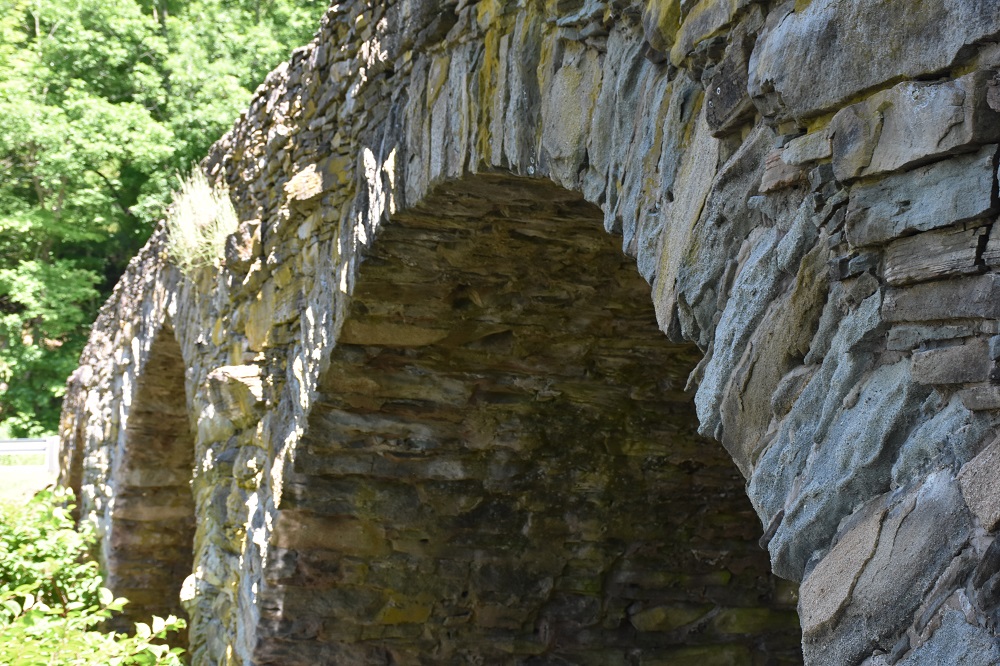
(149, 551)
(502, 465)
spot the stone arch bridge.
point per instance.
(552, 328)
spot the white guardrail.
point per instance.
(48, 446)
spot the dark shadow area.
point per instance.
(153, 521)
(502, 466)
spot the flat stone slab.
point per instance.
(911, 123)
(850, 46)
(966, 298)
(927, 198)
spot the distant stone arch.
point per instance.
(148, 550)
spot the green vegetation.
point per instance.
(51, 600)
(102, 102)
(198, 222)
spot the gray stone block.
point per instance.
(846, 47)
(920, 535)
(965, 298)
(960, 364)
(956, 642)
(927, 198)
(911, 123)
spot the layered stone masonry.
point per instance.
(809, 187)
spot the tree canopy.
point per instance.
(103, 103)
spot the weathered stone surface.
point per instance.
(977, 481)
(851, 46)
(959, 364)
(991, 254)
(956, 642)
(952, 436)
(933, 254)
(811, 147)
(981, 397)
(769, 354)
(701, 22)
(912, 123)
(909, 336)
(966, 298)
(727, 100)
(927, 198)
(828, 588)
(723, 221)
(236, 392)
(846, 358)
(691, 190)
(853, 458)
(919, 536)
(779, 174)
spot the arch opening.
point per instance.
(502, 465)
(150, 549)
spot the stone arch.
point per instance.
(841, 279)
(72, 427)
(501, 463)
(148, 550)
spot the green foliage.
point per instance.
(198, 223)
(51, 600)
(99, 101)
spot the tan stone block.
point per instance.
(961, 364)
(305, 185)
(811, 147)
(932, 255)
(828, 587)
(978, 480)
(778, 174)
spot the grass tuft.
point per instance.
(200, 219)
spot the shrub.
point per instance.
(198, 222)
(51, 600)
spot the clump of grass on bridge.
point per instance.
(198, 222)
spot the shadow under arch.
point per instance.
(502, 466)
(149, 550)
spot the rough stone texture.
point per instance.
(912, 123)
(977, 480)
(956, 642)
(930, 197)
(852, 46)
(422, 407)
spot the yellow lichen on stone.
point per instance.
(488, 74)
(662, 20)
(437, 76)
(705, 20)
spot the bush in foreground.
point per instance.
(52, 604)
